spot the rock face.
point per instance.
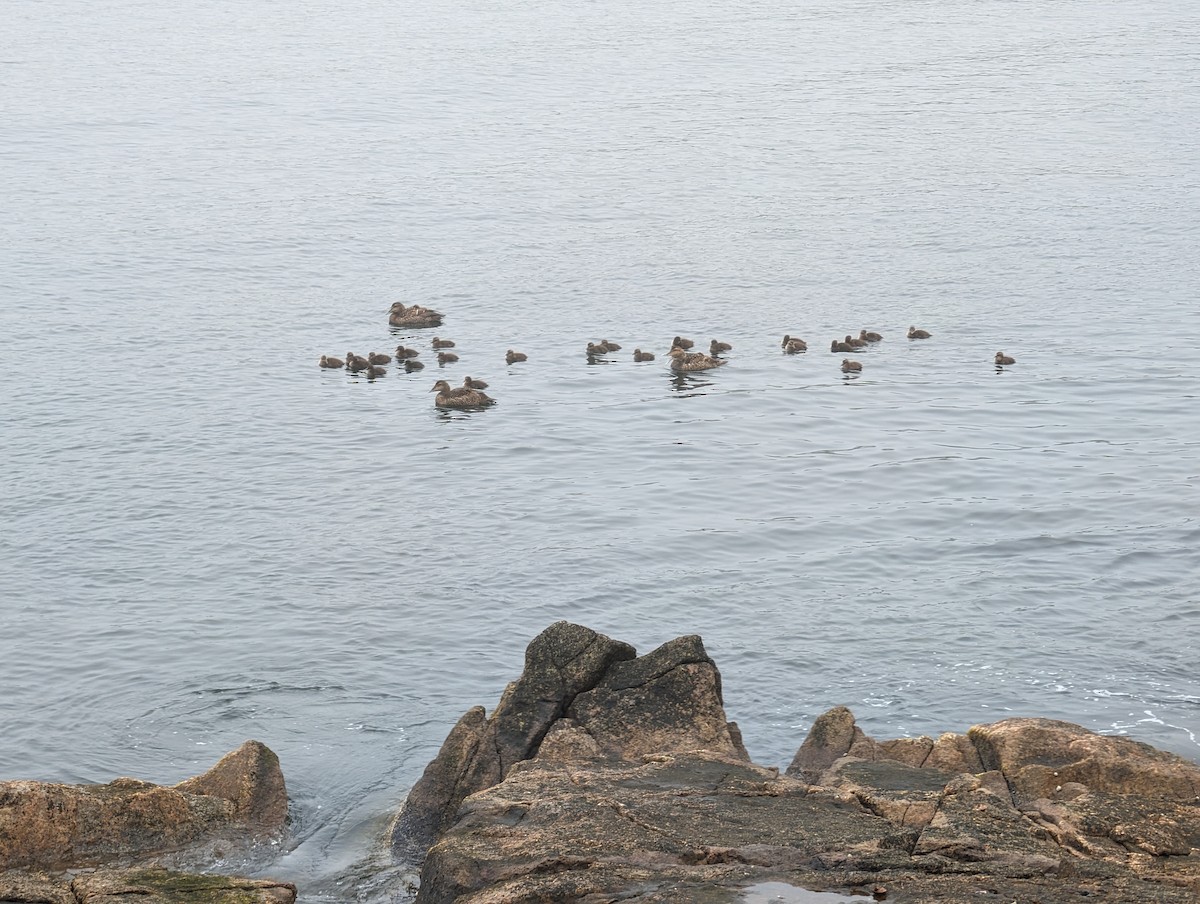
(46, 826)
(580, 691)
(52, 826)
(603, 776)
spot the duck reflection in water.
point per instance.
(689, 383)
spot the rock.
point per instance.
(160, 886)
(638, 789)
(592, 697)
(50, 826)
(1039, 755)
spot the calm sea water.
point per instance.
(206, 538)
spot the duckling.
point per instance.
(327, 361)
(639, 355)
(442, 343)
(715, 348)
(867, 336)
(356, 362)
(445, 358)
(611, 346)
(415, 317)
(1002, 358)
(459, 398)
(402, 352)
(914, 333)
(680, 342)
(686, 361)
(854, 343)
(792, 345)
(373, 371)
(379, 358)
(513, 357)
(596, 349)
(472, 383)
(412, 364)
(849, 366)
(840, 347)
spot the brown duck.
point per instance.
(328, 361)
(840, 347)
(688, 361)
(639, 355)
(513, 357)
(792, 345)
(867, 336)
(914, 333)
(445, 358)
(460, 397)
(849, 367)
(1002, 358)
(414, 317)
(442, 343)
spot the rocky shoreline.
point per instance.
(605, 776)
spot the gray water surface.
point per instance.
(207, 538)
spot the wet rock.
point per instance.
(160, 886)
(640, 790)
(48, 825)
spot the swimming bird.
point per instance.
(513, 357)
(442, 343)
(849, 366)
(356, 362)
(914, 333)
(415, 316)
(327, 361)
(791, 345)
(413, 364)
(1002, 358)
(460, 397)
(686, 361)
(472, 383)
(868, 336)
(715, 348)
(594, 349)
(445, 358)
(374, 371)
(402, 352)
(853, 342)
(611, 346)
(840, 347)
(639, 355)
(379, 358)
(680, 342)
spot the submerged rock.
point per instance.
(604, 776)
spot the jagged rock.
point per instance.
(639, 790)
(49, 825)
(562, 662)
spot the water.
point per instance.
(206, 538)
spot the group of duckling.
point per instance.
(682, 359)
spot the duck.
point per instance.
(460, 397)
(680, 342)
(594, 349)
(512, 357)
(686, 361)
(840, 347)
(715, 348)
(442, 343)
(415, 316)
(412, 364)
(374, 371)
(867, 336)
(914, 333)
(379, 358)
(328, 361)
(402, 352)
(639, 355)
(853, 342)
(849, 366)
(356, 362)
(611, 346)
(472, 383)
(1002, 358)
(791, 345)
(445, 358)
